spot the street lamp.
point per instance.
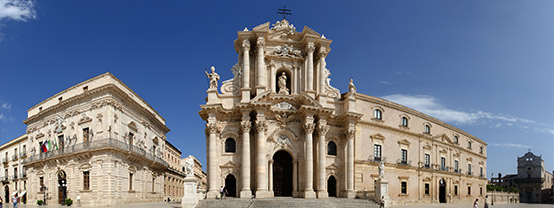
(492, 198)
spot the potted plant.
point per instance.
(40, 202)
(68, 202)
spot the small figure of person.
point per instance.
(382, 202)
(486, 201)
(14, 199)
(221, 192)
(475, 203)
(1, 201)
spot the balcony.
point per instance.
(404, 162)
(482, 175)
(5, 160)
(457, 171)
(96, 145)
(23, 154)
(24, 175)
(427, 166)
(469, 173)
(377, 159)
(5, 179)
(14, 157)
(13, 177)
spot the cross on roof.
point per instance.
(284, 11)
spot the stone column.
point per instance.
(211, 129)
(261, 72)
(245, 71)
(245, 156)
(271, 176)
(294, 177)
(310, 48)
(322, 70)
(322, 129)
(309, 155)
(261, 162)
(351, 193)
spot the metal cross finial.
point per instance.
(284, 11)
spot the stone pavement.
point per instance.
(520, 205)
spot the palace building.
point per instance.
(97, 143)
(279, 128)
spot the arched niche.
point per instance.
(288, 74)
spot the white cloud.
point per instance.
(6, 105)
(19, 10)
(1, 116)
(511, 145)
(384, 82)
(431, 106)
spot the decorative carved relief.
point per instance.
(283, 25)
(84, 119)
(286, 51)
(283, 106)
(261, 126)
(282, 140)
(245, 126)
(232, 86)
(211, 128)
(309, 128)
(283, 119)
(322, 129)
(246, 45)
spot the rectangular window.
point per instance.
(481, 150)
(377, 114)
(481, 172)
(404, 122)
(86, 134)
(456, 190)
(480, 191)
(15, 173)
(86, 180)
(404, 188)
(469, 169)
(41, 179)
(426, 189)
(153, 182)
(60, 141)
(469, 145)
(469, 190)
(443, 163)
(15, 153)
(130, 181)
(404, 156)
(427, 160)
(377, 152)
(455, 166)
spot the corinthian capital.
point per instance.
(350, 134)
(260, 42)
(246, 45)
(323, 51)
(322, 129)
(245, 126)
(310, 47)
(261, 126)
(309, 128)
(211, 128)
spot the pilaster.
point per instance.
(245, 125)
(309, 174)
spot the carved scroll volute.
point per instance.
(246, 45)
(323, 52)
(245, 126)
(322, 129)
(309, 128)
(211, 128)
(310, 48)
(261, 126)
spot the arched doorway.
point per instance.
(442, 191)
(7, 192)
(62, 187)
(282, 174)
(231, 185)
(332, 186)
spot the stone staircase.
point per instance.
(286, 202)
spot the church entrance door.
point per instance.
(62, 187)
(7, 191)
(231, 185)
(282, 174)
(332, 186)
(442, 191)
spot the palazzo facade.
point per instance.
(278, 128)
(97, 143)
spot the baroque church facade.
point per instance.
(278, 128)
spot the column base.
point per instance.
(322, 194)
(212, 194)
(309, 194)
(246, 194)
(245, 92)
(351, 194)
(262, 194)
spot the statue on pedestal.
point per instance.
(283, 84)
(381, 169)
(351, 87)
(213, 78)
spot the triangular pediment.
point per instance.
(333, 167)
(377, 136)
(444, 138)
(308, 30)
(229, 164)
(262, 27)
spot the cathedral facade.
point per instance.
(278, 128)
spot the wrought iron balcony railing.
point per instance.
(96, 144)
(377, 159)
(404, 162)
(14, 157)
(5, 160)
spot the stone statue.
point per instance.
(382, 169)
(283, 84)
(213, 78)
(189, 166)
(352, 87)
(59, 124)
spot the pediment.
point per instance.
(427, 146)
(444, 138)
(377, 136)
(306, 30)
(229, 164)
(405, 142)
(333, 167)
(262, 27)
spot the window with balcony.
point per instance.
(331, 148)
(443, 163)
(455, 166)
(86, 180)
(377, 114)
(427, 160)
(377, 152)
(404, 156)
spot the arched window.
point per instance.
(331, 148)
(404, 121)
(456, 139)
(427, 129)
(377, 114)
(230, 145)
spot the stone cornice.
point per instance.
(108, 88)
(14, 142)
(428, 138)
(410, 111)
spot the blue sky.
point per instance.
(486, 67)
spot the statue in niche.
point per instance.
(352, 87)
(382, 169)
(283, 84)
(213, 78)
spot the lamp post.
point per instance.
(492, 198)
